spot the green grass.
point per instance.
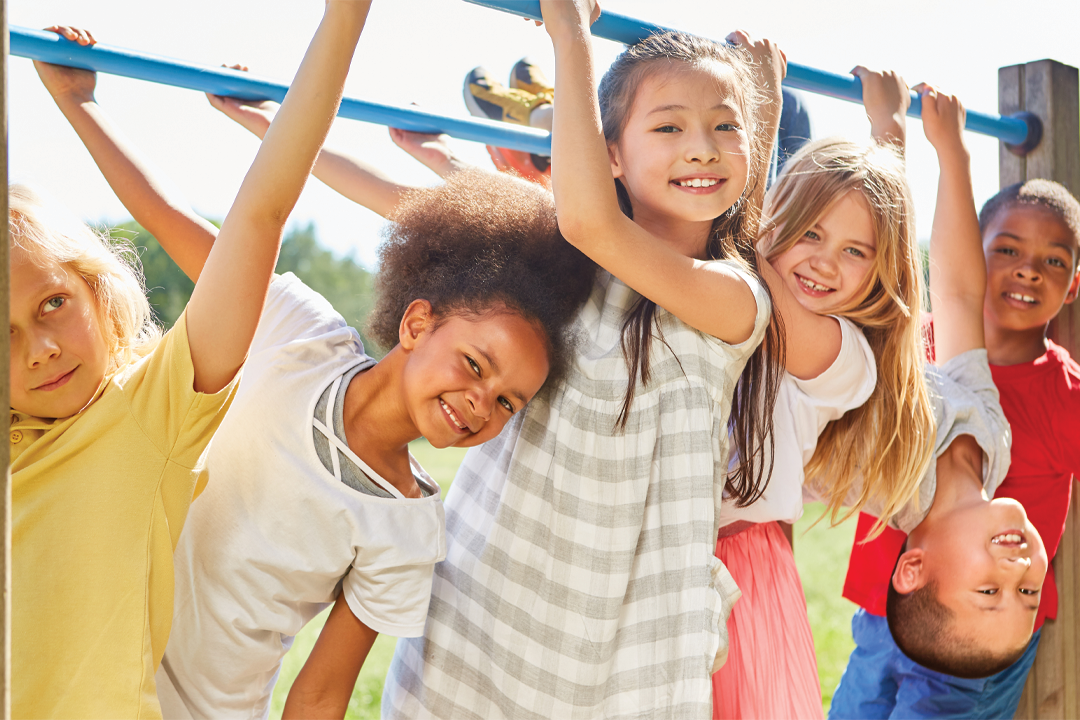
(821, 554)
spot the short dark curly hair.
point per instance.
(921, 626)
(482, 242)
(1047, 194)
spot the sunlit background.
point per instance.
(419, 51)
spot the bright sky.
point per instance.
(420, 50)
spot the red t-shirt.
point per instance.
(1041, 400)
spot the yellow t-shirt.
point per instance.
(99, 500)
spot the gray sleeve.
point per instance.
(966, 402)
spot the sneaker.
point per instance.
(485, 97)
(528, 77)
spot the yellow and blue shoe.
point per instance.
(527, 76)
(485, 97)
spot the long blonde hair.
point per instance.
(110, 267)
(877, 453)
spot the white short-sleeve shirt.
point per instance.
(803, 409)
(275, 534)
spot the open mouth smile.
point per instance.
(698, 185)
(452, 418)
(1009, 539)
(813, 288)
(1021, 298)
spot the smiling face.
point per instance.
(59, 352)
(830, 263)
(464, 379)
(683, 151)
(1031, 268)
(988, 563)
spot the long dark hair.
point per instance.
(732, 237)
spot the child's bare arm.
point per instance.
(589, 214)
(325, 683)
(957, 264)
(225, 306)
(886, 99)
(357, 180)
(184, 235)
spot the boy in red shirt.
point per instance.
(1031, 238)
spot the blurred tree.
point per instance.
(342, 281)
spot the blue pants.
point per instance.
(881, 682)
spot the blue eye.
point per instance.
(53, 304)
(856, 252)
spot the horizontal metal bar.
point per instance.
(624, 29)
(50, 47)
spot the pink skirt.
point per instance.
(771, 671)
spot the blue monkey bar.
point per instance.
(50, 47)
(1022, 130)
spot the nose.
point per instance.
(480, 400)
(701, 147)
(824, 261)
(1028, 270)
(43, 348)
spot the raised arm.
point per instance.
(886, 99)
(589, 215)
(353, 178)
(184, 235)
(957, 263)
(227, 301)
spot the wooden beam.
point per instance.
(1050, 90)
(5, 359)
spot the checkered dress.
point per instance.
(580, 580)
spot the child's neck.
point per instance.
(377, 425)
(959, 477)
(689, 237)
(1013, 347)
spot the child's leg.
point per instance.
(924, 693)
(768, 633)
(868, 687)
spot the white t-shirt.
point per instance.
(803, 409)
(275, 535)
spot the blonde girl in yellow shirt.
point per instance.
(109, 419)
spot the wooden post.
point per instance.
(5, 359)
(1049, 90)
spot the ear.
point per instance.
(1074, 288)
(417, 320)
(615, 157)
(910, 573)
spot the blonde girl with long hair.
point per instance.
(853, 415)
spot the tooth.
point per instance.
(696, 182)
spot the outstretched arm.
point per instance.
(325, 683)
(589, 214)
(957, 263)
(225, 306)
(357, 180)
(184, 235)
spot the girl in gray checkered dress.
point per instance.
(580, 579)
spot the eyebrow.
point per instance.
(495, 368)
(725, 105)
(1065, 247)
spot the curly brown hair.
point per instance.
(482, 242)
